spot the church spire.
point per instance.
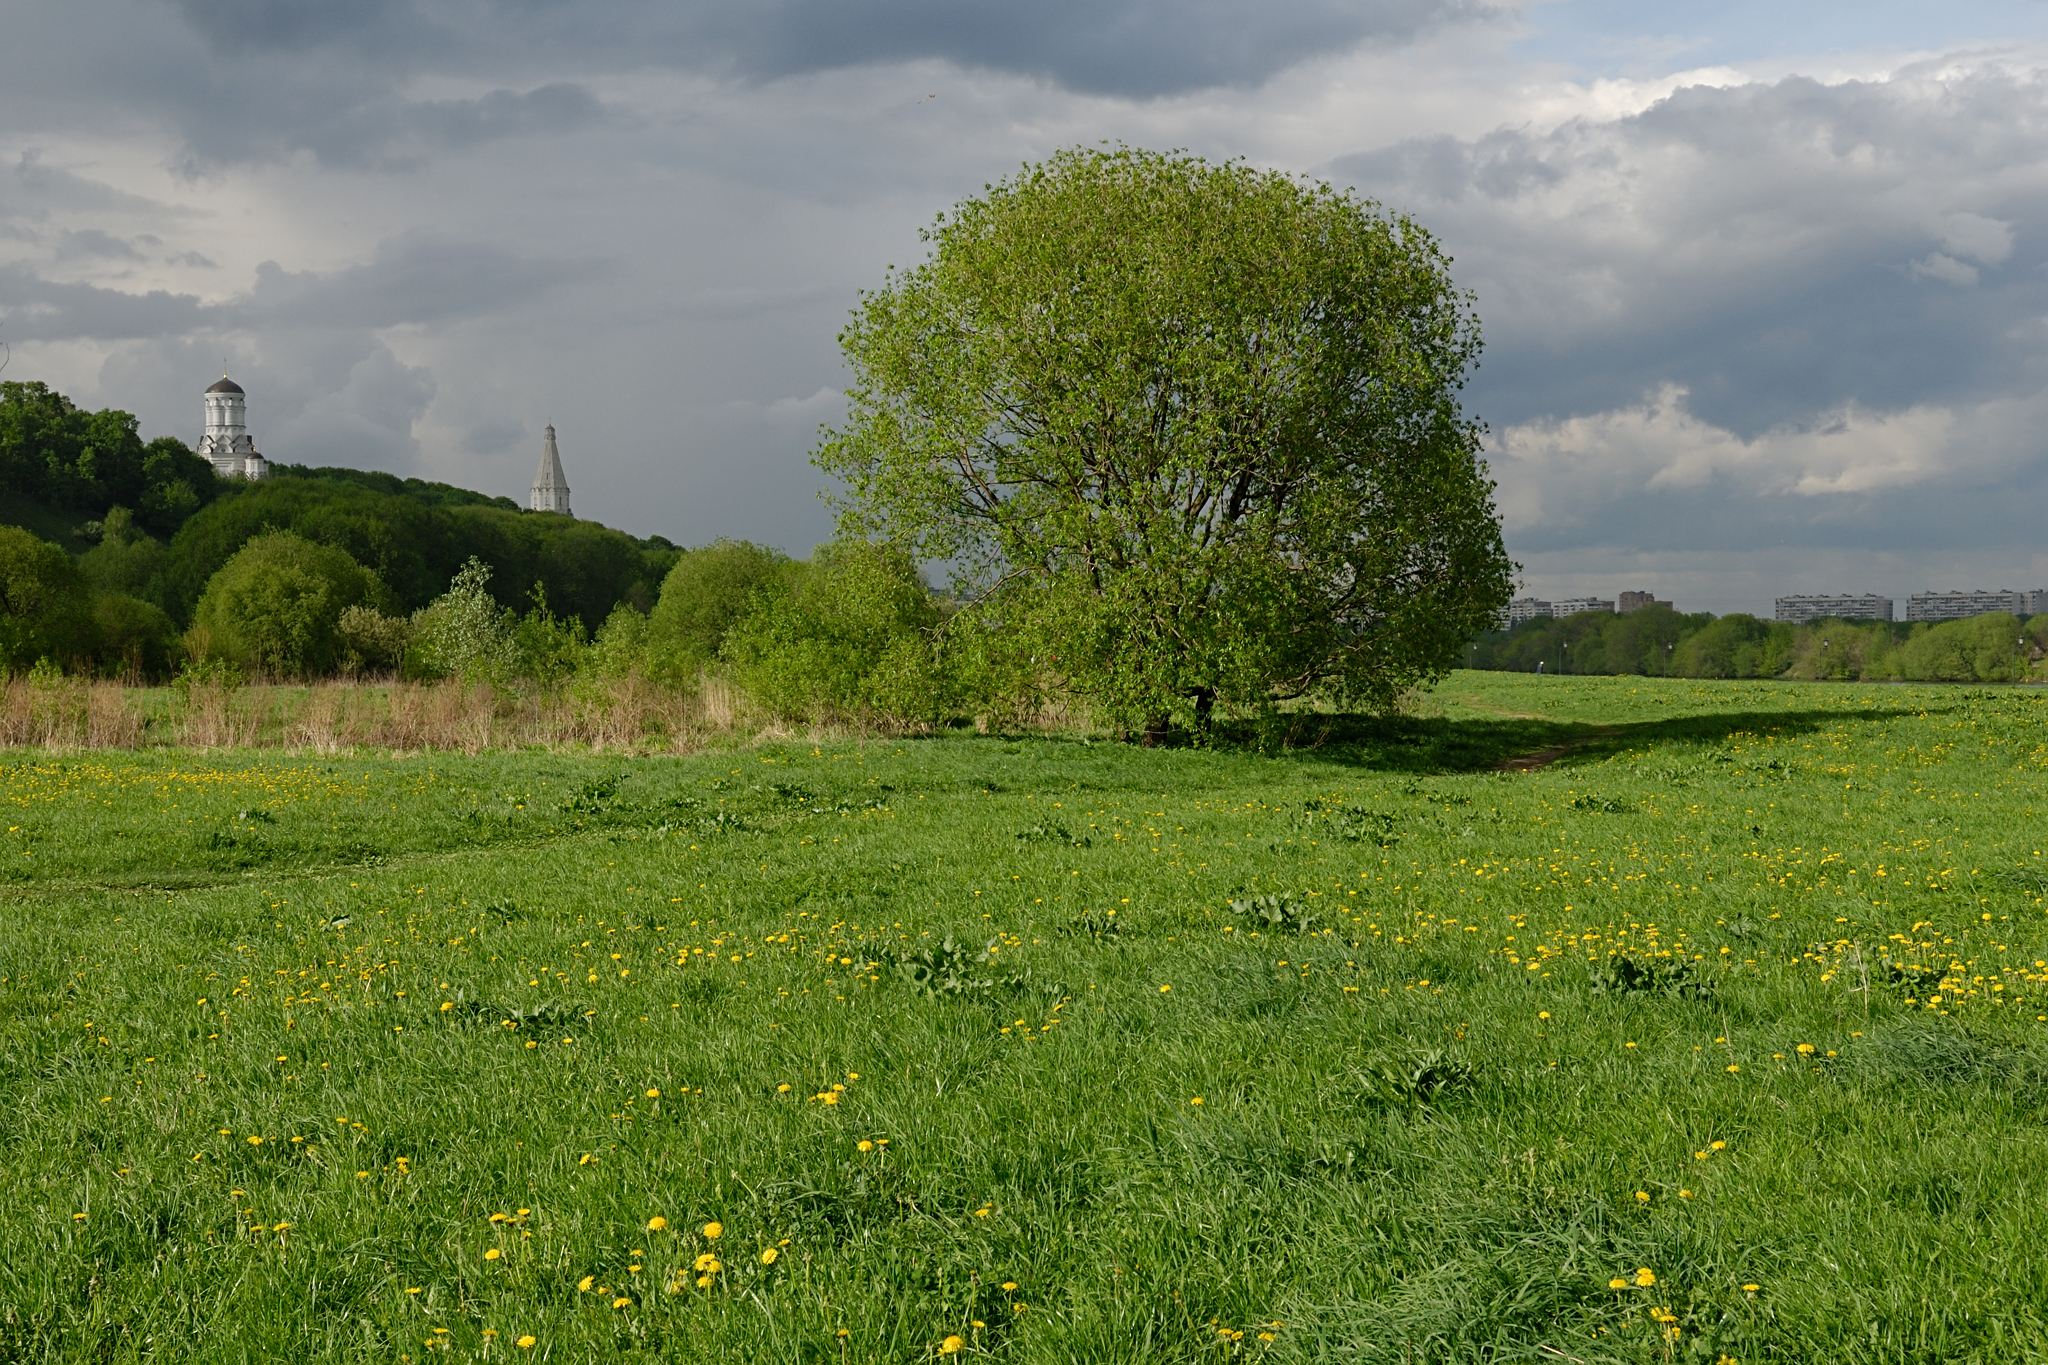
(550, 486)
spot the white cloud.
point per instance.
(1659, 446)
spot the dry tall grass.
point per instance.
(629, 715)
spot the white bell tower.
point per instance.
(227, 442)
(550, 486)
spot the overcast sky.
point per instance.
(1764, 286)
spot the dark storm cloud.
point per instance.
(415, 279)
(393, 133)
(1787, 312)
(1778, 250)
(41, 189)
(1123, 47)
(36, 309)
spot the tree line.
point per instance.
(1657, 641)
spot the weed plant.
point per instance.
(1042, 1050)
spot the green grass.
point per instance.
(1434, 1122)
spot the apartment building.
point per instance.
(1840, 606)
(1958, 606)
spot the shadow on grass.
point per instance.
(1438, 745)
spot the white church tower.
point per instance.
(227, 442)
(550, 487)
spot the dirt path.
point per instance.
(1543, 758)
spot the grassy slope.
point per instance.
(1397, 1156)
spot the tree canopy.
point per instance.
(57, 453)
(275, 607)
(417, 539)
(1189, 432)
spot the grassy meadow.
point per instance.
(1722, 1036)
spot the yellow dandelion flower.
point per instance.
(1642, 1196)
(1164, 989)
(583, 1285)
(952, 1346)
(493, 1254)
(1717, 1146)
(526, 1343)
(1804, 1049)
(1617, 1283)
(1751, 1288)
(1009, 1286)
(768, 1256)
(1196, 1100)
(713, 1231)
(1645, 1277)
(653, 1092)
(622, 1302)
(864, 1146)
(830, 1097)
(656, 1223)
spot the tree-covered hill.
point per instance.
(417, 540)
(64, 471)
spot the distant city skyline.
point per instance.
(1930, 606)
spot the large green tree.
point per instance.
(1190, 433)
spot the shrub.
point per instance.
(1981, 649)
(125, 560)
(707, 593)
(551, 648)
(275, 607)
(851, 633)
(620, 647)
(372, 640)
(136, 638)
(1736, 646)
(464, 633)
(44, 609)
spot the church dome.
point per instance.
(226, 385)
